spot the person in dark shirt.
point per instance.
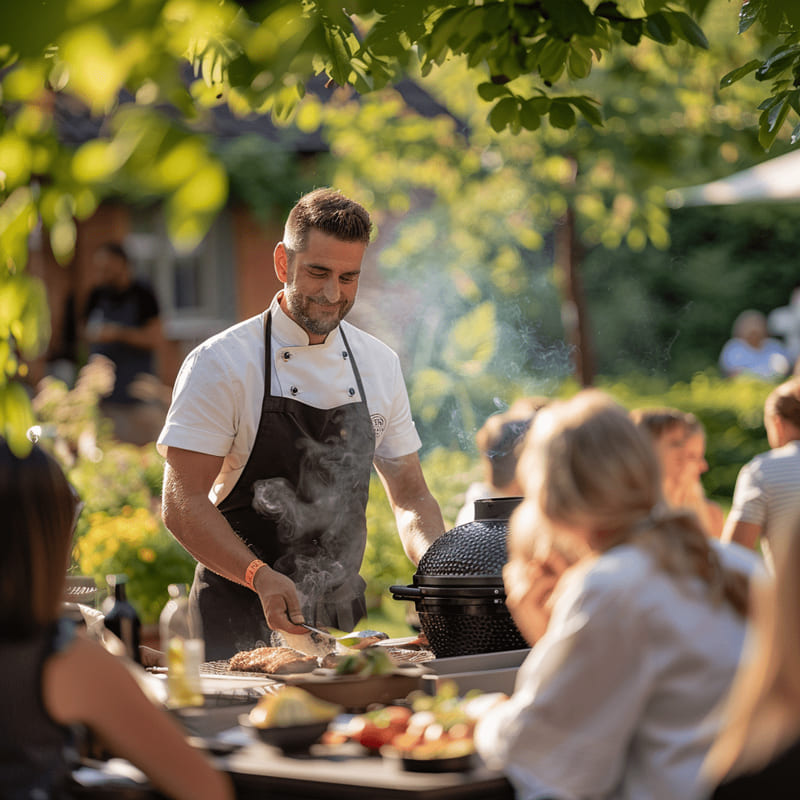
(122, 323)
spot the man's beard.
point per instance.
(301, 307)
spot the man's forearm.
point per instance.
(419, 526)
(205, 533)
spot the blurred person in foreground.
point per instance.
(680, 442)
(751, 351)
(615, 699)
(765, 511)
(121, 322)
(499, 443)
(757, 753)
(55, 678)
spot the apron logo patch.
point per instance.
(378, 425)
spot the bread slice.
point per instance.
(273, 661)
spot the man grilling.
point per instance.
(274, 426)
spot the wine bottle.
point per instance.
(122, 619)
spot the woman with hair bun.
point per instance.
(766, 501)
(616, 698)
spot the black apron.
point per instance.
(300, 506)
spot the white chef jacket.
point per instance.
(216, 401)
(618, 698)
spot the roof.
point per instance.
(76, 125)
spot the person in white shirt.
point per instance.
(273, 430)
(766, 500)
(617, 695)
(751, 351)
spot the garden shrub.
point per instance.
(134, 542)
(731, 410)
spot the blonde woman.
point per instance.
(765, 510)
(758, 752)
(615, 700)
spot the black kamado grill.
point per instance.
(458, 586)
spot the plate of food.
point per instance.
(290, 719)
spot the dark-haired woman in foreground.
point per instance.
(53, 678)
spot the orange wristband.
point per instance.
(253, 567)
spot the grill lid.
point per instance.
(476, 548)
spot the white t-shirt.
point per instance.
(767, 493)
(617, 699)
(216, 401)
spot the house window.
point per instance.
(196, 290)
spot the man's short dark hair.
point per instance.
(328, 211)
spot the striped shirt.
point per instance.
(768, 494)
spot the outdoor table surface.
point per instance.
(324, 772)
(333, 771)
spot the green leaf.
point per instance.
(479, 52)
(748, 14)
(553, 59)
(472, 25)
(340, 55)
(445, 26)
(686, 28)
(579, 61)
(16, 417)
(795, 138)
(504, 112)
(770, 123)
(778, 61)
(589, 109)
(529, 116)
(491, 91)
(657, 27)
(611, 12)
(632, 31)
(777, 114)
(495, 18)
(570, 18)
(739, 73)
(562, 115)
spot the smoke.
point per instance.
(320, 521)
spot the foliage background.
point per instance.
(121, 530)
(475, 210)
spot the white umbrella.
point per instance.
(773, 180)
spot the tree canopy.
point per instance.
(148, 71)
